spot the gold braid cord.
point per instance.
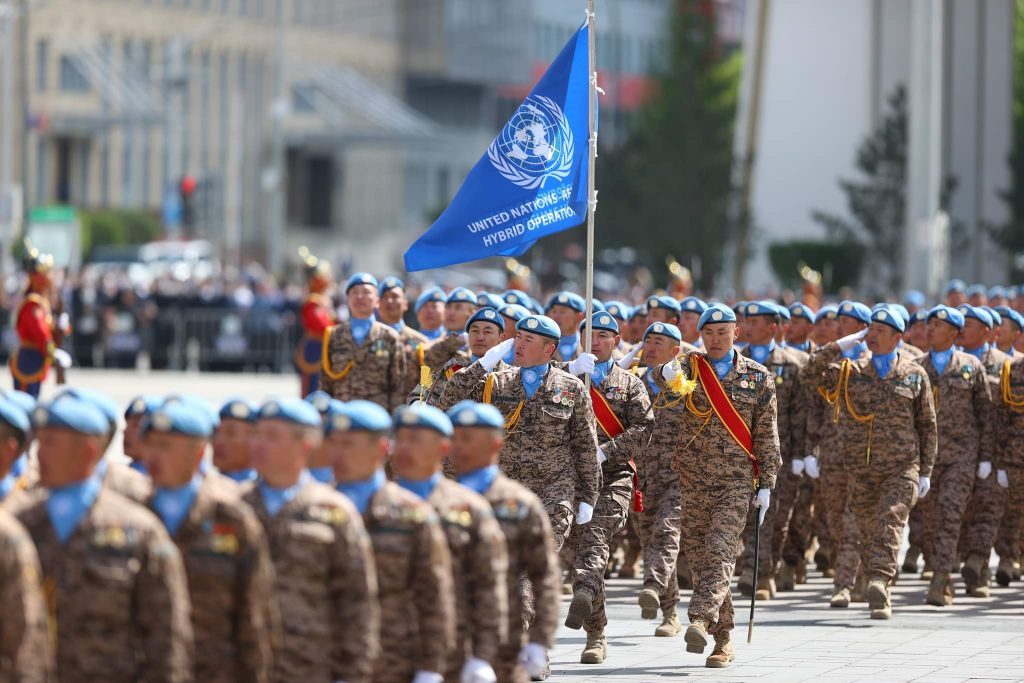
(1015, 402)
(512, 420)
(842, 388)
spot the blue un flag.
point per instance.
(531, 182)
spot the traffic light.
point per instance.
(187, 189)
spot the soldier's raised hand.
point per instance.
(495, 354)
(627, 361)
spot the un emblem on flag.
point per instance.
(536, 144)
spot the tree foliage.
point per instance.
(668, 188)
(1010, 235)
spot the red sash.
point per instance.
(724, 409)
(612, 426)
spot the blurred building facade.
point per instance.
(386, 106)
(825, 70)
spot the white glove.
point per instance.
(601, 457)
(583, 363)
(477, 671)
(62, 358)
(811, 467)
(64, 322)
(798, 466)
(627, 361)
(585, 513)
(1002, 479)
(427, 677)
(924, 485)
(495, 354)
(671, 370)
(984, 469)
(851, 340)
(534, 659)
(762, 503)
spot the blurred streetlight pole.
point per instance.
(274, 174)
(8, 221)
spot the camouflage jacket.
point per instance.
(438, 357)
(963, 409)
(655, 465)
(416, 590)
(531, 553)
(326, 586)
(707, 450)
(118, 591)
(231, 583)
(479, 573)
(901, 435)
(631, 403)
(1009, 418)
(25, 655)
(375, 371)
(552, 447)
(784, 366)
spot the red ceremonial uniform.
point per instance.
(317, 314)
(30, 363)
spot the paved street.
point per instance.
(797, 636)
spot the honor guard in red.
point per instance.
(30, 363)
(317, 315)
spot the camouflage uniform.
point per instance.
(440, 379)
(883, 472)
(552, 448)
(533, 574)
(25, 655)
(325, 584)
(981, 521)
(117, 592)
(439, 357)
(716, 480)
(784, 366)
(659, 523)
(375, 371)
(589, 544)
(822, 436)
(133, 485)
(414, 572)
(964, 413)
(1010, 457)
(231, 584)
(479, 573)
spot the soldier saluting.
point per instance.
(729, 450)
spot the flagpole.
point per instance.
(591, 165)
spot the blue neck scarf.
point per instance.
(979, 352)
(68, 504)
(360, 492)
(723, 365)
(533, 378)
(856, 352)
(601, 371)
(649, 377)
(173, 504)
(481, 479)
(759, 352)
(883, 364)
(274, 499)
(397, 327)
(7, 485)
(360, 328)
(138, 467)
(940, 359)
(422, 488)
(19, 465)
(431, 335)
(805, 346)
(567, 346)
(324, 475)
(510, 357)
(242, 476)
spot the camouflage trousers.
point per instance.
(713, 515)
(507, 667)
(659, 528)
(881, 504)
(589, 545)
(916, 528)
(1008, 540)
(981, 520)
(942, 510)
(775, 526)
(821, 529)
(842, 525)
(561, 517)
(797, 536)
